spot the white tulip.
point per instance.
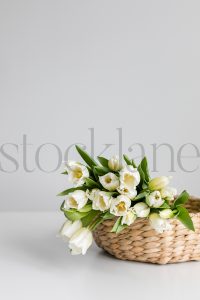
(166, 213)
(158, 183)
(69, 228)
(168, 193)
(109, 181)
(114, 163)
(129, 193)
(129, 178)
(76, 199)
(129, 218)
(141, 209)
(159, 224)
(93, 194)
(154, 199)
(77, 173)
(101, 201)
(120, 205)
(80, 241)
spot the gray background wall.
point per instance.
(67, 66)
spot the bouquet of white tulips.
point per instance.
(113, 190)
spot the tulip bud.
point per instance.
(158, 183)
(76, 199)
(80, 241)
(114, 163)
(141, 209)
(69, 228)
(159, 224)
(166, 213)
(93, 194)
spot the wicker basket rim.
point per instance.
(194, 199)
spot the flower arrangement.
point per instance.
(112, 190)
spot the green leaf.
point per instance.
(86, 208)
(141, 196)
(95, 174)
(127, 160)
(165, 205)
(185, 218)
(101, 170)
(86, 157)
(103, 161)
(140, 170)
(91, 173)
(133, 164)
(66, 192)
(107, 216)
(91, 183)
(116, 225)
(144, 174)
(74, 215)
(142, 183)
(62, 206)
(64, 173)
(87, 220)
(175, 212)
(98, 221)
(181, 199)
(145, 169)
(121, 227)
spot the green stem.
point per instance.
(92, 225)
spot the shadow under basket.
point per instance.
(139, 242)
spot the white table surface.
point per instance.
(34, 264)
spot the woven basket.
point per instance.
(139, 242)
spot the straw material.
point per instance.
(139, 242)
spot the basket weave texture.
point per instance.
(139, 242)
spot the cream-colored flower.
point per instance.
(129, 193)
(166, 213)
(76, 199)
(114, 163)
(154, 199)
(109, 181)
(129, 178)
(69, 228)
(158, 223)
(141, 209)
(93, 194)
(101, 201)
(158, 183)
(120, 205)
(80, 241)
(129, 218)
(168, 193)
(77, 173)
